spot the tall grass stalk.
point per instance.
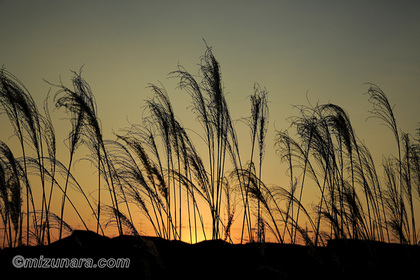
(210, 105)
(383, 110)
(23, 114)
(81, 103)
(156, 168)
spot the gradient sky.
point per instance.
(326, 49)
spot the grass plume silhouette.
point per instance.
(155, 167)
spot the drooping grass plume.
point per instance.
(77, 120)
(50, 141)
(156, 168)
(80, 102)
(146, 179)
(383, 110)
(115, 217)
(341, 167)
(258, 127)
(10, 196)
(211, 108)
(17, 103)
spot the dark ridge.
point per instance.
(156, 258)
(81, 239)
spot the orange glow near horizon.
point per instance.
(303, 53)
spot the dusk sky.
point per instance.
(321, 50)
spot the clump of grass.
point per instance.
(10, 193)
(17, 103)
(155, 167)
(80, 102)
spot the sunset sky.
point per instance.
(324, 51)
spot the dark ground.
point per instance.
(155, 258)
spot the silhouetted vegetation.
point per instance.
(155, 168)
